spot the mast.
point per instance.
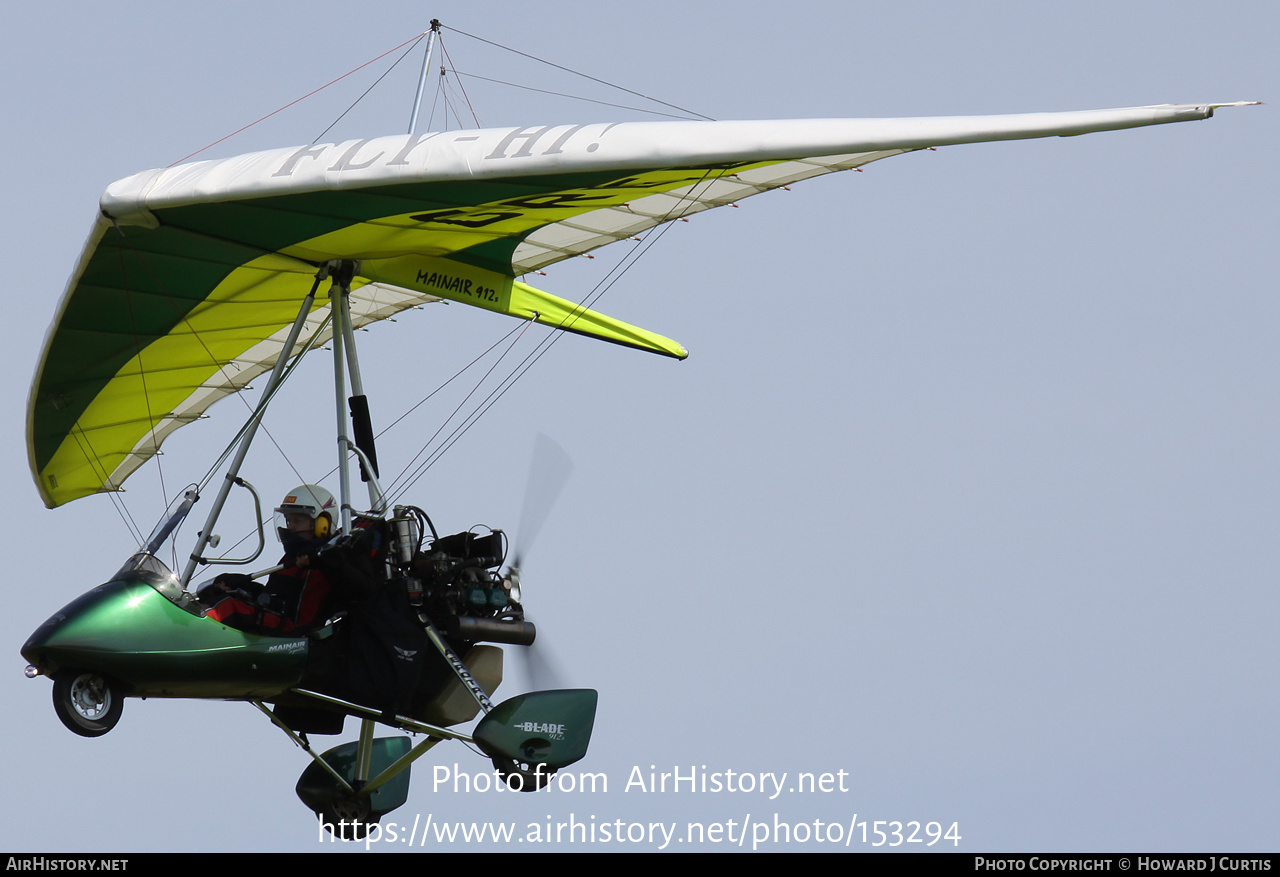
(346, 363)
(422, 77)
(341, 315)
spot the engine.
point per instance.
(455, 580)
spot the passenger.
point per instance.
(299, 597)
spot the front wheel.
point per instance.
(87, 703)
(523, 776)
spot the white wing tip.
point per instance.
(1208, 106)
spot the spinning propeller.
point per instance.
(549, 471)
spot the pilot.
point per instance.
(299, 597)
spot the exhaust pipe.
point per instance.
(489, 630)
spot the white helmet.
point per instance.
(311, 500)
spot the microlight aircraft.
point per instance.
(199, 278)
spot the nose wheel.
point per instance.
(531, 778)
(87, 703)
(349, 818)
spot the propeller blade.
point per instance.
(549, 471)
(541, 669)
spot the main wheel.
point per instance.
(348, 819)
(87, 703)
(531, 779)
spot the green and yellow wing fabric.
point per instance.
(192, 275)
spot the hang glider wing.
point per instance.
(192, 274)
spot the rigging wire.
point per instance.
(456, 375)
(520, 369)
(262, 405)
(411, 44)
(435, 100)
(429, 396)
(86, 448)
(226, 453)
(391, 487)
(461, 87)
(182, 318)
(447, 91)
(459, 74)
(624, 264)
(299, 100)
(442, 92)
(365, 93)
(577, 73)
(518, 329)
(121, 507)
(451, 89)
(142, 374)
